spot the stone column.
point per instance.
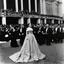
(29, 4)
(60, 9)
(3, 20)
(61, 21)
(41, 7)
(4, 17)
(5, 6)
(44, 7)
(45, 20)
(38, 21)
(35, 5)
(58, 21)
(54, 8)
(28, 20)
(52, 21)
(16, 5)
(59, 3)
(21, 21)
(21, 5)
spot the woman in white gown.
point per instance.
(29, 51)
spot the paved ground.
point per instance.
(54, 54)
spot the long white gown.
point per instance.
(29, 51)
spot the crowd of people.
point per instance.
(45, 34)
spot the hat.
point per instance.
(29, 29)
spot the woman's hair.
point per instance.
(29, 30)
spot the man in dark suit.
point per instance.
(49, 35)
(41, 34)
(23, 34)
(44, 34)
(13, 37)
(36, 29)
(58, 34)
(54, 35)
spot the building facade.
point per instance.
(48, 11)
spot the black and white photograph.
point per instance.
(31, 31)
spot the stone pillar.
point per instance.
(4, 17)
(54, 8)
(58, 21)
(60, 9)
(59, 3)
(45, 21)
(28, 20)
(16, 5)
(52, 21)
(44, 7)
(3, 20)
(21, 20)
(38, 21)
(29, 2)
(41, 7)
(21, 5)
(61, 21)
(35, 5)
(5, 6)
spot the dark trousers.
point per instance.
(22, 37)
(14, 42)
(49, 39)
(54, 38)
